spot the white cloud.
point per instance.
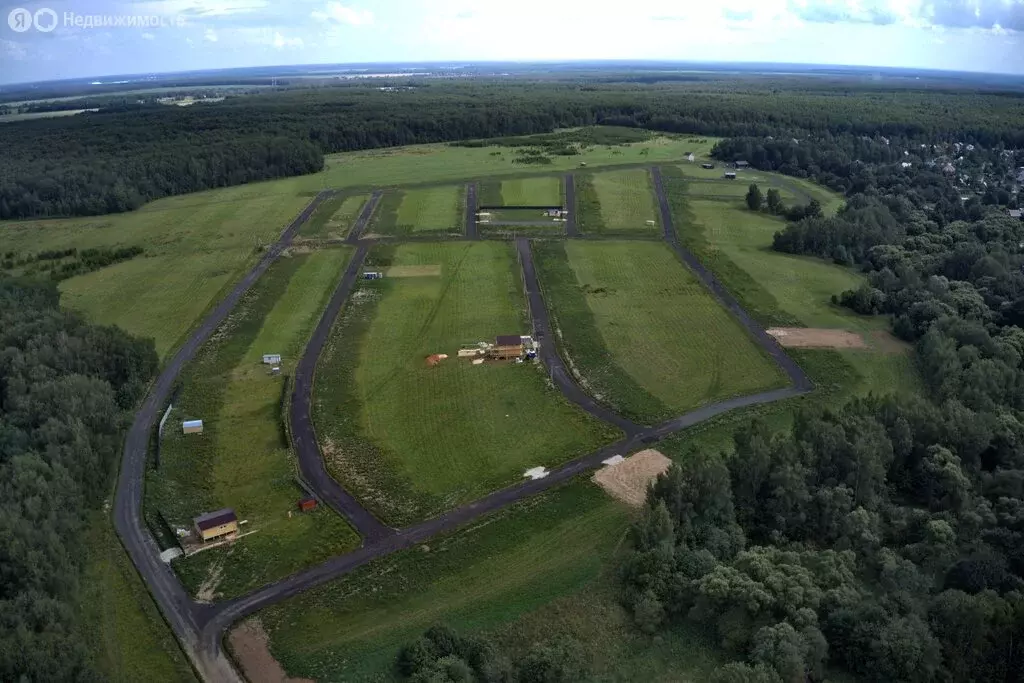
(337, 12)
(280, 42)
(198, 8)
(210, 35)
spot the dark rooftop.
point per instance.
(509, 340)
(210, 520)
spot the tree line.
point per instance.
(67, 389)
(124, 155)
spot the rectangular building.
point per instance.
(192, 427)
(507, 347)
(213, 525)
(271, 359)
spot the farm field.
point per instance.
(195, 245)
(128, 639)
(623, 202)
(335, 217)
(539, 191)
(242, 459)
(412, 440)
(426, 210)
(645, 335)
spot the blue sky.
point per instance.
(971, 35)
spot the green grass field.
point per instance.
(335, 217)
(645, 335)
(539, 191)
(242, 460)
(128, 639)
(412, 440)
(196, 245)
(504, 566)
(428, 210)
(625, 201)
(736, 190)
(801, 286)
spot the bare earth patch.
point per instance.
(627, 480)
(249, 645)
(413, 271)
(817, 338)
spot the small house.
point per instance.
(690, 158)
(373, 275)
(707, 166)
(741, 164)
(276, 370)
(214, 525)
(651, 223)
(730, 175)
(553, 213)
(506, 347)
(271, 359)
(192, 427)
(307, 504)
(1016, 213)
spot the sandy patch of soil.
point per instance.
(208, 588)
(817, 338)
(627, 480)
(251, 649)
(413, 271)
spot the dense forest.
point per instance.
(67, 390)
(125, 155)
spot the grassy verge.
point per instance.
(589, 220)
(242, 459)
(412, 440)
(127, 636)
(481, 577)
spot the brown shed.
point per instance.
(213, 525)
(307, 504)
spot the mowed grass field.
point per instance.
(335, 217)
(643, 333)
(196, 245)
(539, 191)
(737, 190)
(479, 578)
(242, 460)
(617, 202)
(412, 440)
(420, 211)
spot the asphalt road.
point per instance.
(307, 449)
(201, 627)
(182, 613)
(571, 229)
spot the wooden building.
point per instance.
(307, 504)
(506, 347)
(214, 525)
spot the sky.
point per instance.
(55, 39)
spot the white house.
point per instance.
(192, 427)
(690, 158)
(271, 359)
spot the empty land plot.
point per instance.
(411, 440)
(801, 286)
(643, 333)
(540, 191)
(426, 210)
(476, 579)
(195, 245)
(335, 217)
(242, 459)
(735, 189)
(626, 201)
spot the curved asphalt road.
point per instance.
(200, 627)
(182, 613)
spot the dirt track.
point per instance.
(200, 628)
